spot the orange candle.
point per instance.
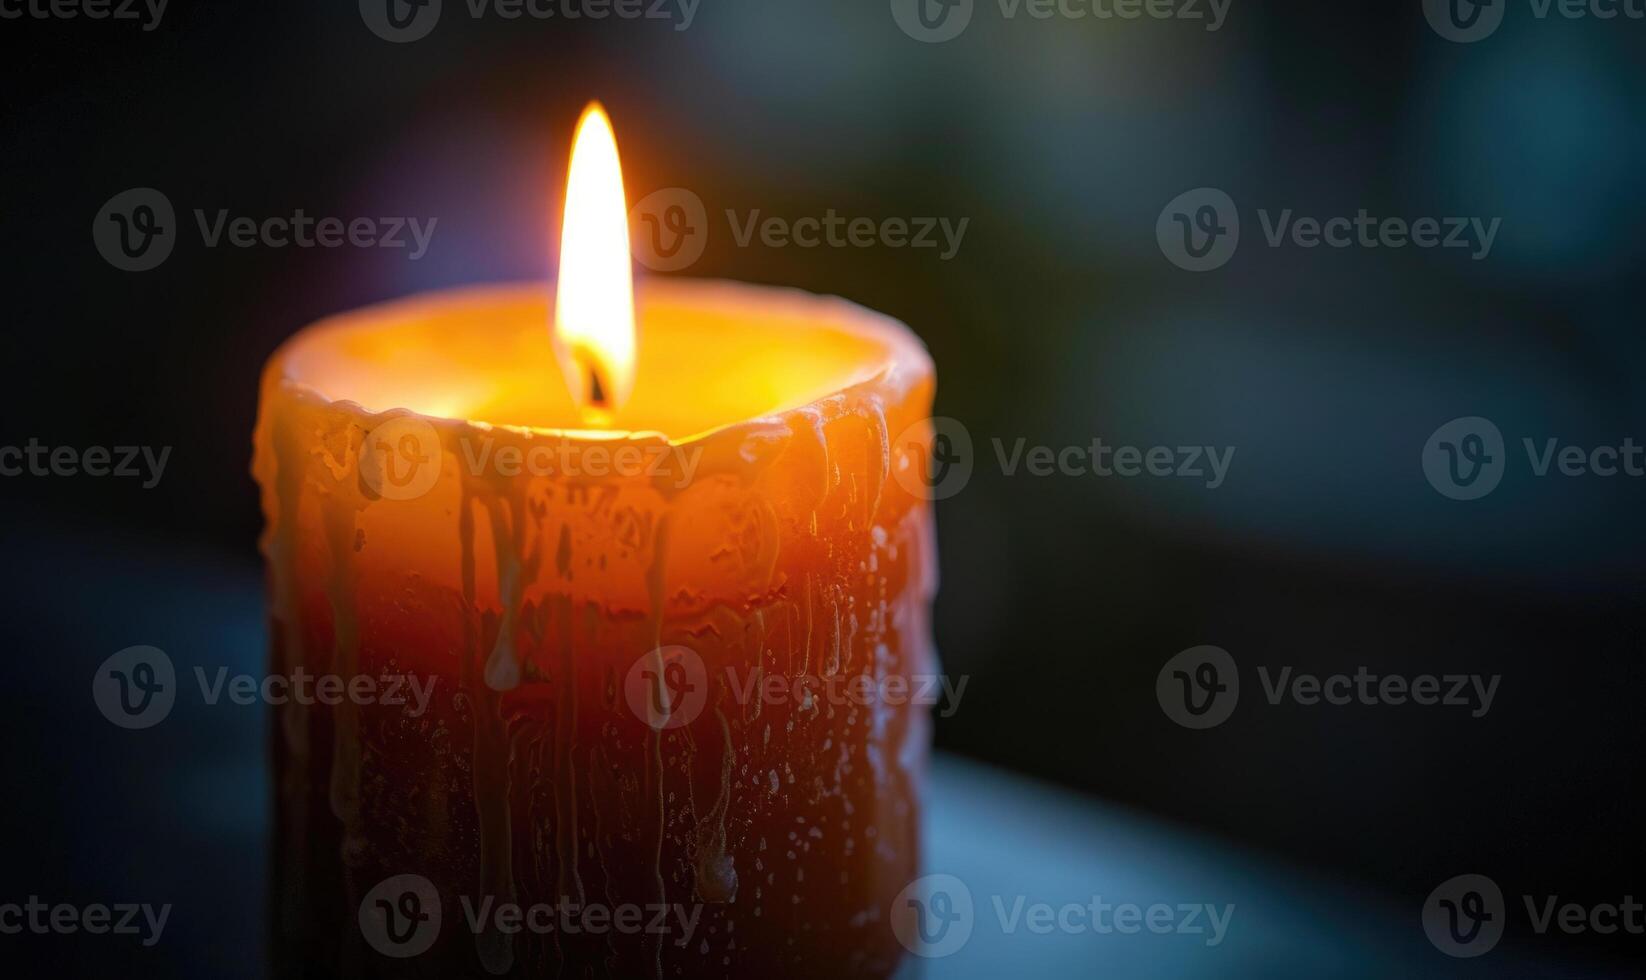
(638, 542)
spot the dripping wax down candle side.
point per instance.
(781, 537)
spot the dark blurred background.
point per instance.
(1058, 320)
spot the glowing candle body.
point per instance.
(431, 510)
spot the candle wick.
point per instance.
(597, 391)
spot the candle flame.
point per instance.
(594, 330)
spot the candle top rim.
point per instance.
(822, 347)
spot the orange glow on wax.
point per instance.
(594, 324)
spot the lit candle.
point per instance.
(637, 555)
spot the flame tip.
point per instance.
(594, 328)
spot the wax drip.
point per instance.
(764, 565)
(811, 603)
(279, 545)
(832, 667)
(879, 454)
(569, 882)
(655, 585)
(508, 541)
(493, 754)
(716, 874)
(339, 507)
(339, 518)
(809, 422)
(601, 787)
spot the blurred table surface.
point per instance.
(179, 813)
